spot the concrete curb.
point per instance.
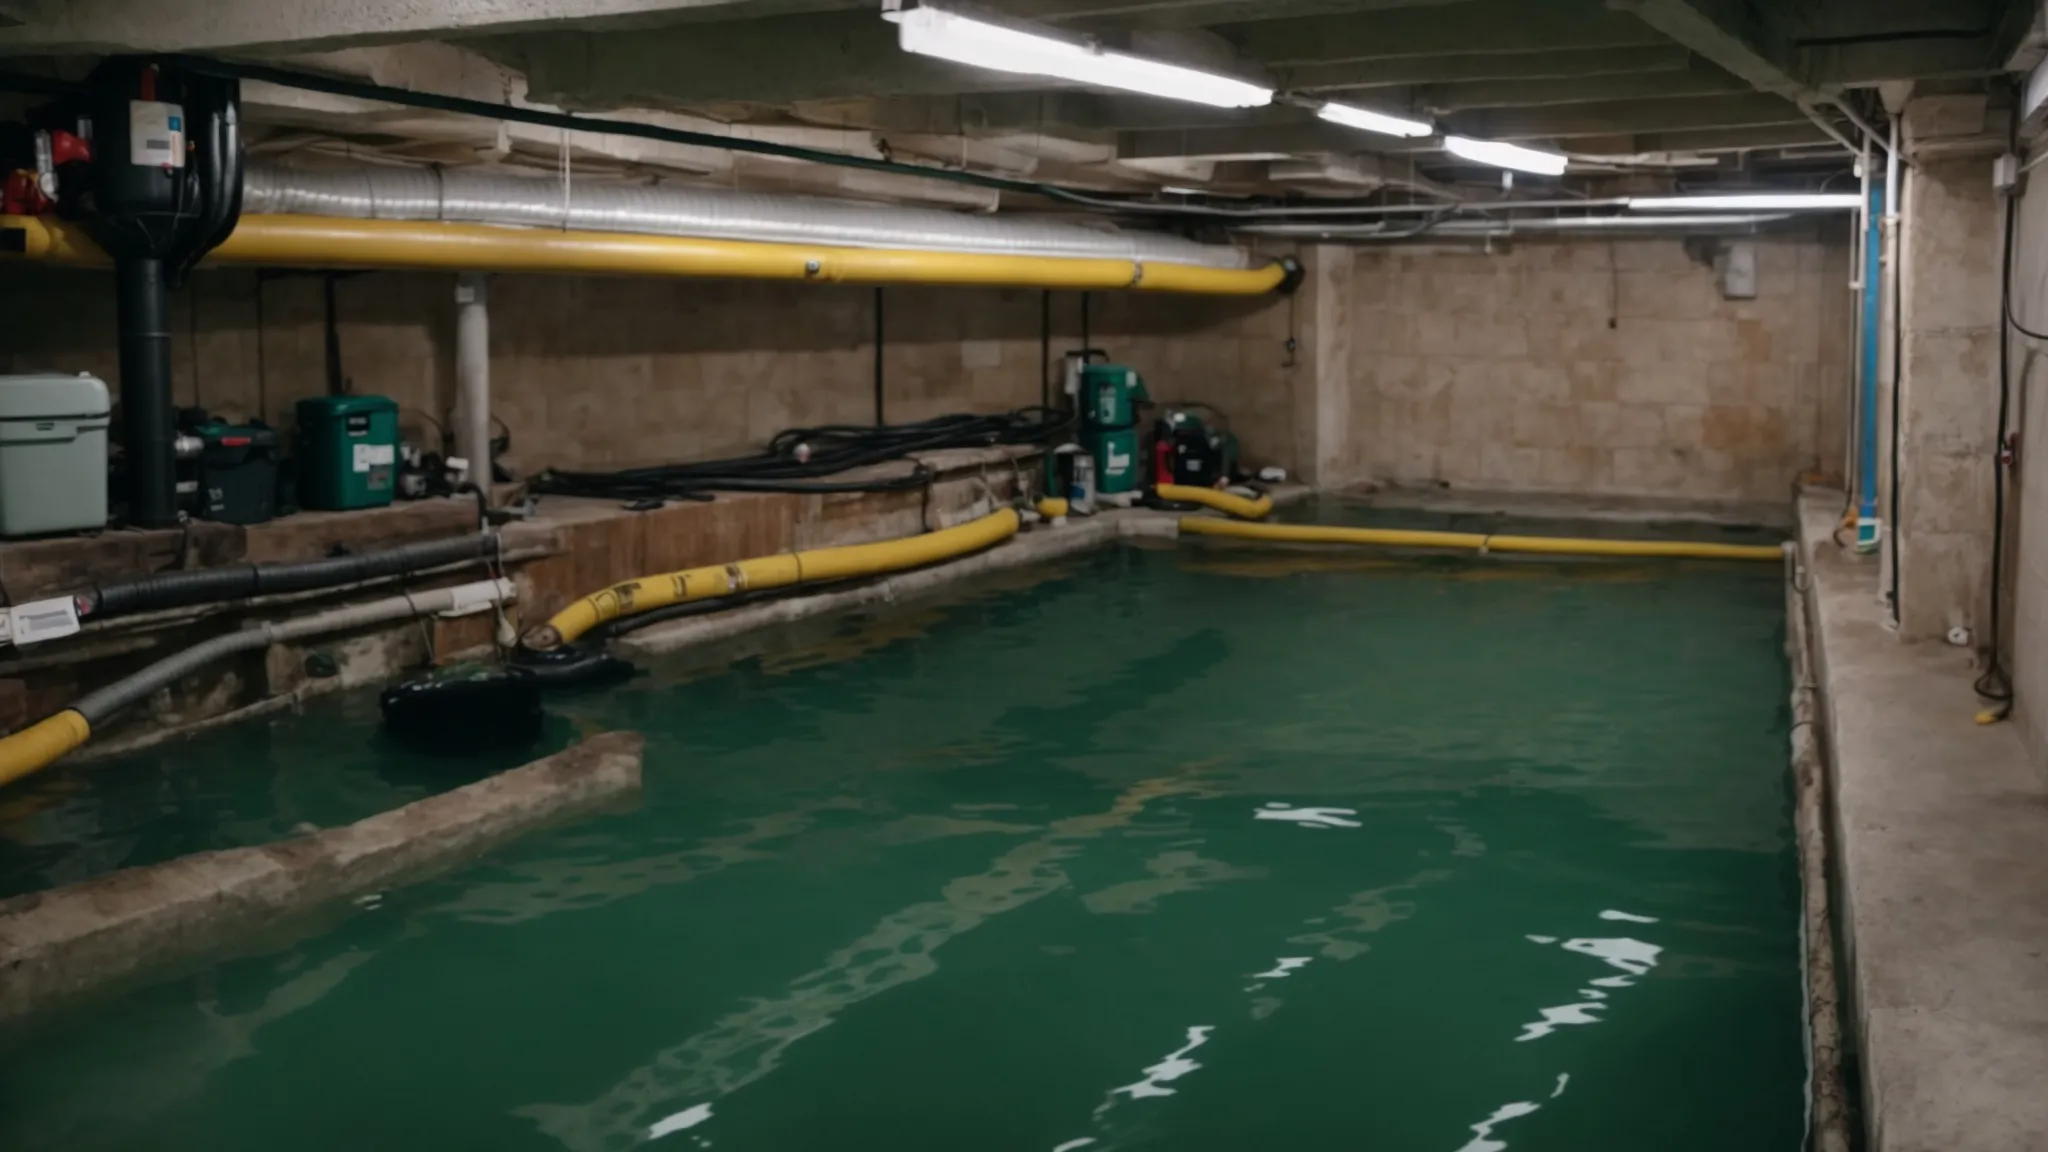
(1033, 546)
(59, 944)
(1827, 1094)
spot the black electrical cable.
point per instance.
(1045, 348)
(1995, 685)
(362, 90)
(881, 419)
(1898, 363)
(801, 459)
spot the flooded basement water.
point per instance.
(1183, 849)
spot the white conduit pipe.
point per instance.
(485, 197)
(99, 705)
(1406, 230)
(473, 376)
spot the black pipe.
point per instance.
(1084, 323)
(146, 408)
(337, 384)
(1898, 368)
(880, 421)
(1045, 348)
(241, 581)
(364, 90)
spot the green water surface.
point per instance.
(1194, 849)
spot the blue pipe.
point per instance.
(1866, 508)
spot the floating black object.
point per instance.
(570, 667)
(464, 711)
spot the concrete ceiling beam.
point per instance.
(1276, 143)
(1483, 26)
(1448, 98)
(91, 26)
(783, 60)
(1835, 67)
(1734, 34)
(1734, 139)
(1195, 13)
(1481, 67)
(1746, 110)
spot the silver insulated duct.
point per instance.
(473, 196)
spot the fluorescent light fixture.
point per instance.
(1379, 122)
(964, 40)
(1506, 155)
(1751, 201)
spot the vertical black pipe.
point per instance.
(145, 351)
(1045, 348)
(1084, 323)
(337, 384)
(880, 420)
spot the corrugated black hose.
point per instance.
(799, 459)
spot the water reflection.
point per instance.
(1634, 958)
(746, 1045)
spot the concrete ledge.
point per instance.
(58, 944)
(1939, 825)
(1034, 545)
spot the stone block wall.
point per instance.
(2025, 642)
(1951, 249)
(1596, 366)
(603, 373)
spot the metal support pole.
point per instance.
(473, 376)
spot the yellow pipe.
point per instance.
(1477, 542)
(425, 245)
(779, 571)
(37, 745)
(1218, 499)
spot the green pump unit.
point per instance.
(1110, 397)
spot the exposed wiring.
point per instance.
(800, 459)
(365, 90)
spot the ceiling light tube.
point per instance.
(1751, 202)
(1379, 122)
(965, 40)
(1502, 155)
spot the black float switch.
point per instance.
(570, 667)
(464, 710)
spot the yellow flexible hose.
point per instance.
(1218, 499)
(41, 743)
(286, 241)
(1478, 542)
(780, 571)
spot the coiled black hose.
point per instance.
(798, 459)
(240, 581)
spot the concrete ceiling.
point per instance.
(1722, 86)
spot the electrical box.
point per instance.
(347, 449)
(53, 454)
(2005, 173)
(1738, 271)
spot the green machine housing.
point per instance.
(1110, 396)
(347, 448)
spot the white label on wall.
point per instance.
(368, 456)
(156, 134)
(43, 620)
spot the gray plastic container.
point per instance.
(53, 454)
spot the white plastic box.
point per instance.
(53, 454)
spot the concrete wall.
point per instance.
(2026, 568)
(1600, 366)
(1950, 250)
(606, 373)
